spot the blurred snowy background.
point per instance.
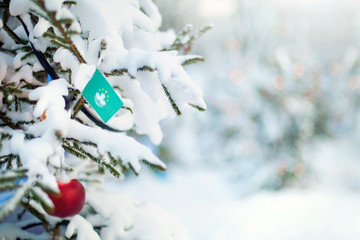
(276, 155)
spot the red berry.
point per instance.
(70, 201)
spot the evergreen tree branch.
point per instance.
(76, 150)
(67, 38)
(13, 35)
(7, 186)
(14, 174)
(102, 164)
(178, 41)
(69, 3)
(171, 100)
(193, 60)
(117, 72)
(201, 32)
(36, 213)
(7, 51)
(8, 121)
(58, 24)
(27, 55)
(197, 107)
(144, 161)
(184, 41)
(72, 151)
(11, 205)
(50, 35)
(9, 31)
(31, 225)
(60, 44)
(78, 106)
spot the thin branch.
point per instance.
(7, 51)
(171, 100)
(78, 106)
(34, 212)
(13, 35)
(8, 121)
(31, 225)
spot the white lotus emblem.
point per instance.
(100, 99)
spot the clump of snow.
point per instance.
(49, 95)
(18, 7)
(41, 27)
(152, 11)
(147, 113)
(25, 73)
(53, 5)
(171, 74)
(129, 219)
(66, 59)
(119, 145)
(83, 229)
(17, 142)
(84, 74)
(113, 18)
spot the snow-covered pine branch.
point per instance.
(44, 136)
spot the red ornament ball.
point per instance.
(70, 201)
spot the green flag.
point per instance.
(102, 97)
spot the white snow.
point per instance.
(66, 59)
(144, 108)
(25, 73)
(18, 7)
(83, 76)
(49, 95)
(113, 18)
(53, 5)
(41, 27)
(152, 11)
(119, 145)
(83, 229)
(130, 219)
(171, 74)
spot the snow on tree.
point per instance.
(49, 132)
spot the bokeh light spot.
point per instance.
(298, 69)
(281, 168)
(335, 68)
(236, 76)
(299, 169)
(279, 82)
(353, 82)
(233, 111)
(232, 44)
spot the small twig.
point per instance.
(171, 100)
(8, 121)
(7, 50)
(13, 35)
(34, 212)
(78, 106)
(32, 225)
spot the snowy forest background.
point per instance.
(275, 156)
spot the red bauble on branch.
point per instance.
(70, 201)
